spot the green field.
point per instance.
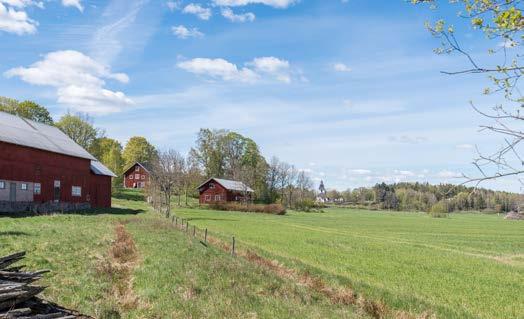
(174, 276)
(464, 266)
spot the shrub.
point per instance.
(439, 210)
(275, 209)
(307, 205)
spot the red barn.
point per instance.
(222, 190)
(137, 176)
(40, 164)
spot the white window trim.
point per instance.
(2, 185)
(76, 194)
(207, 198)
(211, 185)
(218, 198)
(137, 176)
(37, 186)
(131, 176)
(24, 186)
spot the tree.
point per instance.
(502, 22)
(27, 109)
(109, 152)
(80, 129)
(138, 149)
(166, 175)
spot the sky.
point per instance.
(350, 91)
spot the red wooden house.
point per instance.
(39, 164)
(137, 176)
(216, 190)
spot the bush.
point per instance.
(307, 205)
(274, 209)
(439, 210)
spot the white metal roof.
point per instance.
(99, 169)
(19, 131)
(231, 185)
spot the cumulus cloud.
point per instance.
(341, 67)
(273, 3)
(73, 3)
(173, 5)
(231, 16)
(218, 69)
(263, 67)
(196, 9)
(13, 19)
(79, 81)
(183, 33)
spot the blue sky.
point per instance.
(349, 91)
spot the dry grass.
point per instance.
(274, 209)
(118, 266)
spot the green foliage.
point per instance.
(109, 152)
(80, 129)
(439, 210)
(138, 149)
(306, 205)
(26, 109)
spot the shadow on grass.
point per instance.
(89, 212)
(14, 233)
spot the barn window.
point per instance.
(2, 185)
(211, 185)
(137, 176)
(23, 186)
(37, 188)
(208, 198)
(76, 191)
(137, 168)
(143, 176)
(218, 198)
(130, 176)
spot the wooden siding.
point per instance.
(210, 195)
(24, 164)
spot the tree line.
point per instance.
(425, 197)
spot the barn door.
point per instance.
(56, 191)
(12, 192)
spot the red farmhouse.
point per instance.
(137, 176)
(40, 164)
(222, 190)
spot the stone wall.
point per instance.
(41, 208)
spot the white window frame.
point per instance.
(207, 198)
(131, 176)
(211, 185)
(37, 188)
(2, 185)
(137, 168)
(137, 176)
(24, 186)
(218, 198)
(143, 177)
(76, 191)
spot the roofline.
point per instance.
(215, 179)
(92, 158)
(130, 167)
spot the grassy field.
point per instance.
(172, 275)
(464, 266)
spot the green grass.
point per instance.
(464, 266)
(175, 277)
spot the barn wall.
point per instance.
(19, 163)
(218, 190)
(130, 183)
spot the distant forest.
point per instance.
(425, 197)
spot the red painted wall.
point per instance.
(19, 163)
(225, 195)
(130, 183)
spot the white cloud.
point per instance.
(183, 33)
(73, 3)
(79, 81)
(273, 67)
(218, 68)
(272, 3)
(269, 67)
(341, 67)
(13, 19)
(448, 174)
(198, 10)
(173, 5)
(360, 171)
(231, 16)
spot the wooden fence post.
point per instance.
(233, 247)
(194, 230)
(205, 237)
(187, 226)
(176, 222)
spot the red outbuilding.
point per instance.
(40, 164)
(137, 176)
(216, 190)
